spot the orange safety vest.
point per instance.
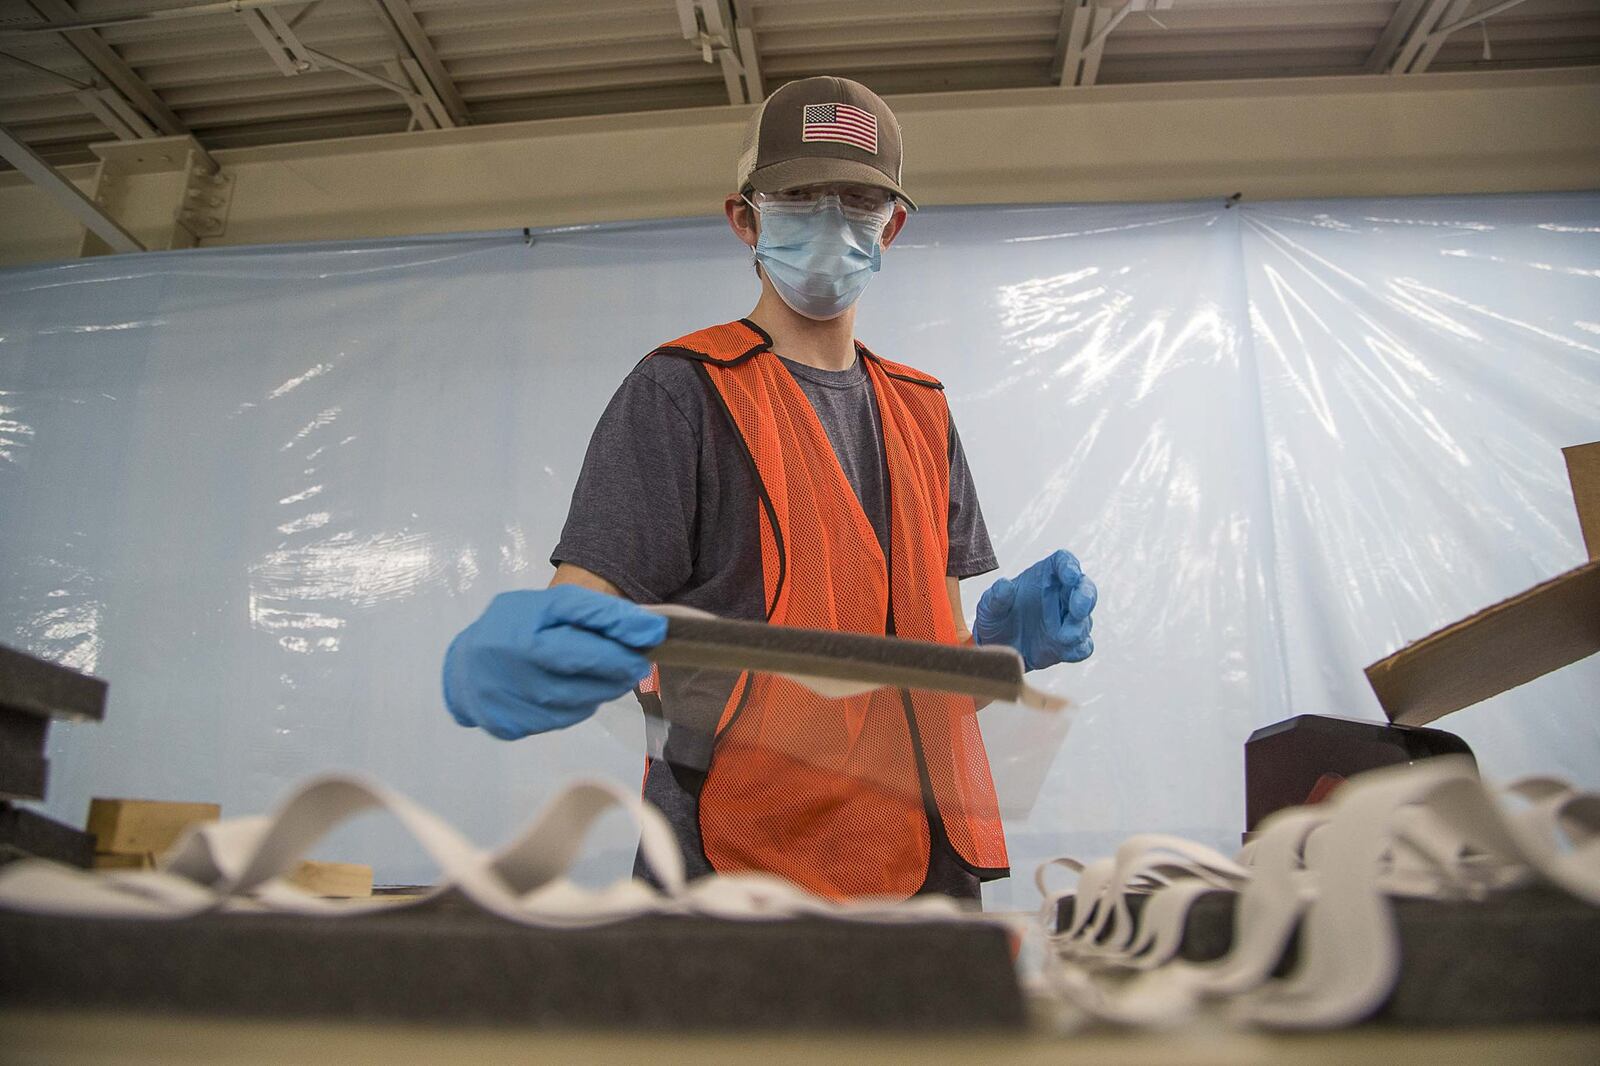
(843, 797)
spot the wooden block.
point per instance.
(138, 827)
(342, 879)
(110, 861)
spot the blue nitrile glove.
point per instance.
(542, 660)
(1043, 613)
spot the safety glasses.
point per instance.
(859, 202)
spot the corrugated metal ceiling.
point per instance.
(494, 61)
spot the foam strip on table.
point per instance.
(34, 686)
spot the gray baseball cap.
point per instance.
(821, 130)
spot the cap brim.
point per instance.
(792, 173)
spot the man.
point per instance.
(773, 468)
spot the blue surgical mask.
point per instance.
(818, 258)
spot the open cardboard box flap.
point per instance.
(1514, 641)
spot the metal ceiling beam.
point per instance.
(403, 26)
(1433, 27)
(1085, 25)
(710, 25)
(105, 104)
(1439, 134)
(1075, 18)
(56, 75)
(116, 114)
(719, 24)
(745, 18)
(293, 57)
(73, 23)
(66, 194)
(425, 107)
(1431, 44)
(278, 39)
(1472, 20)
(1105, 21)
(1393, 37)
(110, 66)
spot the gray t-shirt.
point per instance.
(665, 508)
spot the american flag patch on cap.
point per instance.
(841, 123)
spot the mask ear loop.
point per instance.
(756, 212)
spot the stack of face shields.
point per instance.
(1320, 885)
(243, 864)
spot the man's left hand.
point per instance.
(1044, 612)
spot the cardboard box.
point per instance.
(140, 827)
(1545, 628)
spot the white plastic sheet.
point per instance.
(259, 490)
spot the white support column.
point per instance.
(1417, 35)
(181, 215)
(1084, 28)
(1483, 16)
(284, 49)
(66, 194)
(407, 78)
(1077, 16)
(719, 26)
(749, 54)
(1105, 20)
(322, 60)
(104, 60)
(443, 117)
(115, 113)
(710, 26)
(1439, 21)
(1383, 54)
(103, 102)
(1435, 39)
(422, 110)
(409, 36)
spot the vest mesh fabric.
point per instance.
(829, 793)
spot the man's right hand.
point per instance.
(542, 660)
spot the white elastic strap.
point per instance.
(1431, 830)
(240, 864)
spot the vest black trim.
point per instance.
(702, 357)
(755, 477)
(924, 382)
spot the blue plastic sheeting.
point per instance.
(259, 490)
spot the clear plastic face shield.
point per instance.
(862, 718)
